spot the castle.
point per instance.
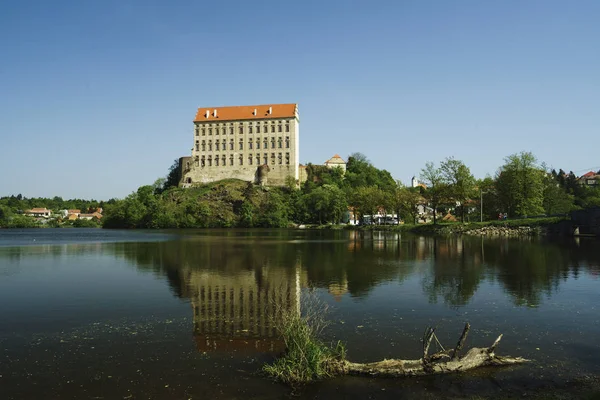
(258, 144)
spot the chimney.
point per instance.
(215, 112)
(207, 114)
(270, 110)
(254, 112)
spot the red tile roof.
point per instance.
(237, 113)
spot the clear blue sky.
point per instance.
(98, 97)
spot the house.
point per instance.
(336, 162)
(90, 216)
(589, 179)
(38, 212)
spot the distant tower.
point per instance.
(415, 182)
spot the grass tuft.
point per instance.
(306, 358)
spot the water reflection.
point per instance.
(354, 263)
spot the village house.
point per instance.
(38, 212)
(589, 179)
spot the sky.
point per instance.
(98, 97)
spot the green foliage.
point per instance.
(519, 184)
(173, 177)
(437, 187)
(306, 357)
(459, 180)
(22, 221)
(86, 223)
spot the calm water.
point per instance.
(189, 314)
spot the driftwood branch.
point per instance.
(446, 361)
(461, 341)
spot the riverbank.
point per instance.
(506, 228)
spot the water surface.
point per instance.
(190, 314)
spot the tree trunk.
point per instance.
(443, 362)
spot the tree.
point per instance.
(435, 193)
(459, 180)
(405, 201)
(174, 176)
(520, 186)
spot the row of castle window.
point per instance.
(251, 128)
(222, 145)
(222, 161)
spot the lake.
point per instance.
(88, 313)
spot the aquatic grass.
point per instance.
(306, 358)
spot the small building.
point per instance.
(589, 179)
(336, 162)
(38, 212)
(90, 216)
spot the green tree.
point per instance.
(520, 187)
(459, 180)
(405, 201)
(435, 193)
(174, 175)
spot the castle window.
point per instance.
(272, 158)
(272, 143)
(265, 143)
(223, 163)
(231, 159)
(203, 130)
(257, 159)
(203, 162)
(217, 145)
(217, 129)
(224, 146)
(287, 142)
(197, 145)
(287, 127)
(204, 145)
(241, 160)
(223, 130)
(231, 129)
(265, 158)
(250, 144)
(197, 132)
(287, 158)
(241, 144)
(279, 143)
(241, 129)
(210, 161)
(272, 127)
(250, 159)
(257, 143)
(280, 158)
(197, 159)
(216, 161)
(210, 131)
(279, 127)
(189, 180)
(250, 128)
(257, 127)
(231, 144)
(210, 145)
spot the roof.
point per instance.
(37, 210)
(236, 113)
(335, 160)
(588, 175)
(73, 211)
